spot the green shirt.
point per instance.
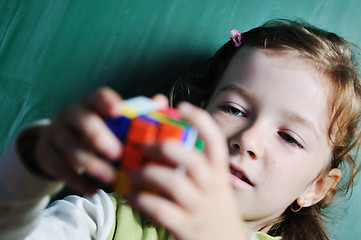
(131, 225)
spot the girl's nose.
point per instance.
(248, 141)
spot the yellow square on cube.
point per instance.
(122, 185)
(129, 112)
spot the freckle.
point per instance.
(266, 177)
(274, 161)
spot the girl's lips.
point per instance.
(240, 176)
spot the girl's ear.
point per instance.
(319, 189)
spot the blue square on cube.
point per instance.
(119, 126)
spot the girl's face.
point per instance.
(275, 112)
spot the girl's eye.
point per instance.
(289, 139)
(233, 111)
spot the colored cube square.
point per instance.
(138, 106)
(142, 131)
(170, 131)
(122, 185)
(171, 113)
(132, 158)
(119, 126)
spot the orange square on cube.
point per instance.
(142, 131)
(170, 131)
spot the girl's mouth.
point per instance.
(241, 176)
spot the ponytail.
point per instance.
(304, 224)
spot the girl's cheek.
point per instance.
(216, 116)
(226, 126)
(229, 125)
(221, 121)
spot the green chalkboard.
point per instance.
(53, 52)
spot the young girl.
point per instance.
(284, 102)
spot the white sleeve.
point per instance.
(77, 217)
(24, 196)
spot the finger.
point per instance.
(159, 209)
(54, 165)
(192, 161)
(161, 100)
(79, 156)
(104, 101)
(167, 182)
(94, 166)
(209, 132)
(91, 129)
(174, 154)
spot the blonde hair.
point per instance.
(331, 55)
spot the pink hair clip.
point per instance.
(236, 38)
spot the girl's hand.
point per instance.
(77, 142)
(199, 204)
(73, 143)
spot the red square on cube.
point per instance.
(172, 113)
(132, 159)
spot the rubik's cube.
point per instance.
(143, 122)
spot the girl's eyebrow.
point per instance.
(239, 91)
(303, 121)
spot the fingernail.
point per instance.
(116, 109)
(113, 152)
(106, 176)
(185, 107)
